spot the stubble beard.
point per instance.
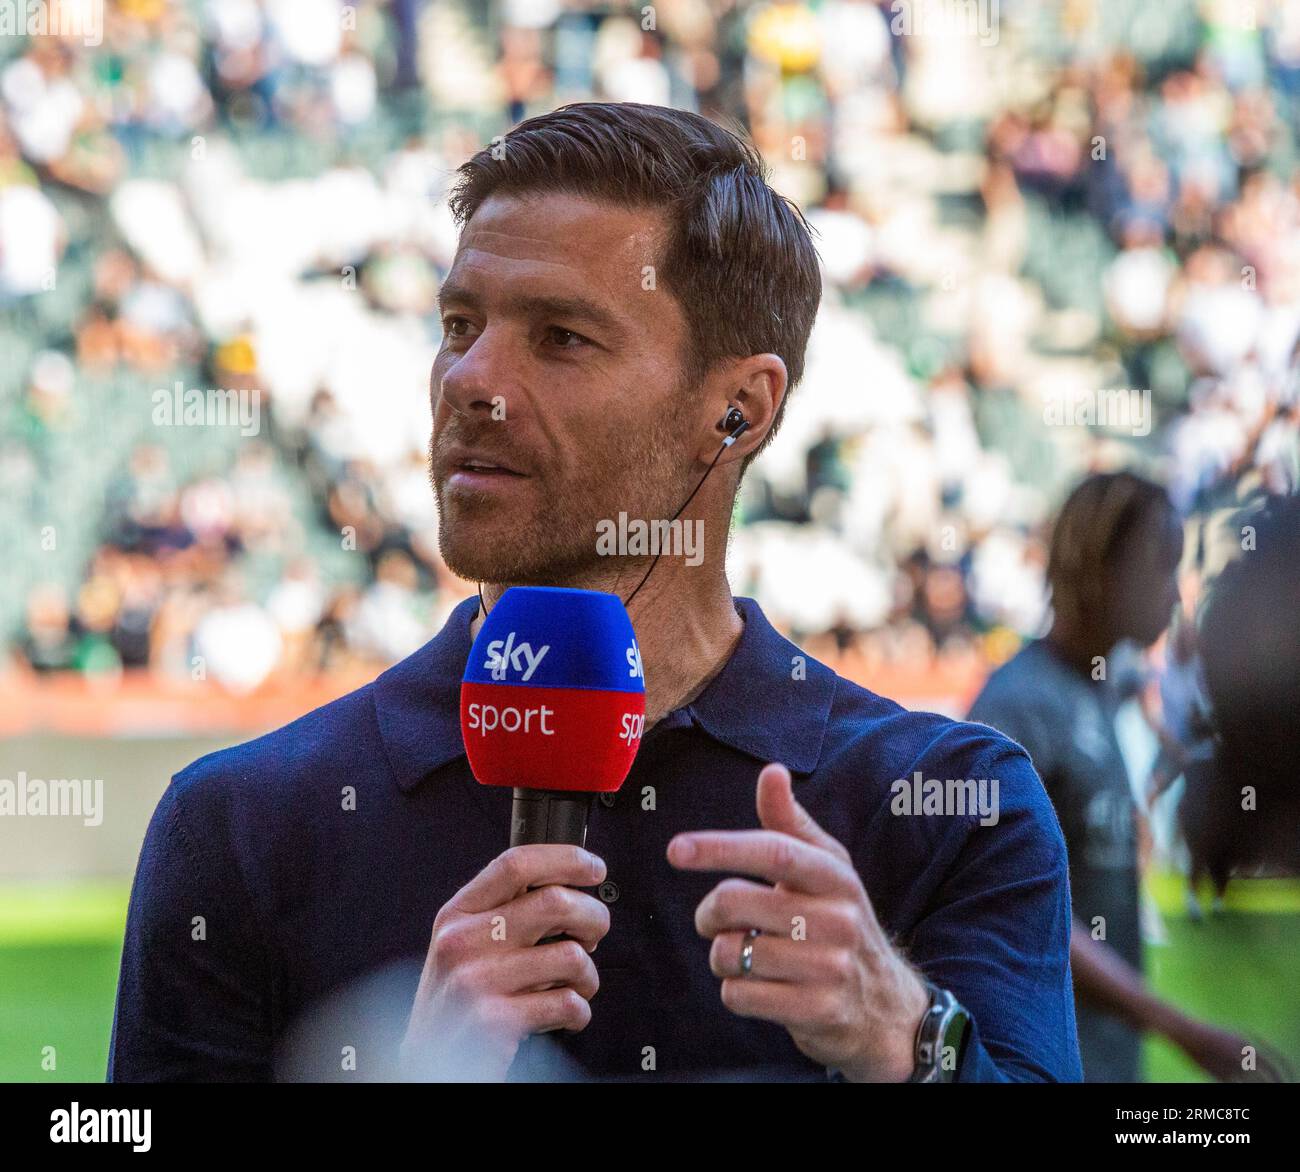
(554, 540)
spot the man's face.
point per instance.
(558, 367)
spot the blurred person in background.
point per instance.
(386, 625)
(1112, 570)
(236, 642)
(48, 641)
(1241, 807)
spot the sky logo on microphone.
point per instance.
(553, 695)
(505, 655)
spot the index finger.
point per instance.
(536, 864)
(764, 854)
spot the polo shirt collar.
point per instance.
(770, 701)
(417, 701)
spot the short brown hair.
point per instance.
(740, 259)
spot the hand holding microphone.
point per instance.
(485, 987)
(552, 705)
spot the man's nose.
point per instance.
(483, 378)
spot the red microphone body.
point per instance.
(552, 704)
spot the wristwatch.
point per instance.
(940, 1038)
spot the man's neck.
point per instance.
(686, 624)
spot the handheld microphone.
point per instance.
(552, 704)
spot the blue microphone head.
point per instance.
(553, 695)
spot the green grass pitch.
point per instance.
(60, 947)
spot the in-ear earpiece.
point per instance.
(733, 423)
(732, 420)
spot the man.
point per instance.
(627, 294)
(1112, 569)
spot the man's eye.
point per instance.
(456, 327)
(565, 339)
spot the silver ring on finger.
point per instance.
(747, 952)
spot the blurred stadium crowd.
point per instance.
(248, 195)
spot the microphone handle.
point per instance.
(549, 815)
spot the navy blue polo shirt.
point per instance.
(286, 888)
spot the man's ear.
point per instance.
(756, 386)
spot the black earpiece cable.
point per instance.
(733, 419)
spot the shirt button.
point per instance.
(608, 891)
(608, 800)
